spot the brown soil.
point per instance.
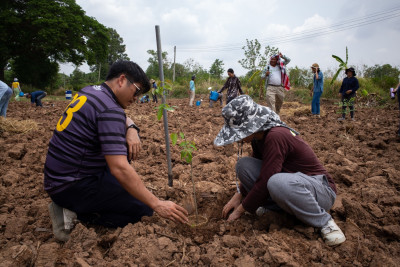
(362, 156)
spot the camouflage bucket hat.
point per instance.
(243, 117)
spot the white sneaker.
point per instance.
(62, 220)
(332, 234)
(261, 211)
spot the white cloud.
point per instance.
(227, 24)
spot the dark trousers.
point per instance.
(398, 98)
(155, 98)
(229, 99)
(103, 201)
(348, 101)
(38, 100)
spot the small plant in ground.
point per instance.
(187, 149)
(346, 103)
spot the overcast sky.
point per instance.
(206, 30)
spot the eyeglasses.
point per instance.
(137, 88)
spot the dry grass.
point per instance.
(297, 109)
(17, 126)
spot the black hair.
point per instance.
(133, 72)
(193, 77)
(231, 70)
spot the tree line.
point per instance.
(37, 35)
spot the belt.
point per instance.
(274, 85)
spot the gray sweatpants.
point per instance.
(306, 197)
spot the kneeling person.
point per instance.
(87, 172)
(284, 172)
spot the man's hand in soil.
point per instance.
(232, 204)
(349, 92)
(236, 213)
(170, 210)
(134, 144)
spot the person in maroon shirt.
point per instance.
(284, 172)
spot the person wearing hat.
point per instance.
(16, 88)
(233, 85)
(276, 81)
(318, 89)
(5, 95)
(397, 92)
(153, 90)
(283, 173)
(348, 92)
(192, 89)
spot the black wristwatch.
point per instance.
(134, 126)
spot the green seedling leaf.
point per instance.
(174, 138)
(254, 75)
(335, 76)
(159, 112)
(182, 135)
(338, 59)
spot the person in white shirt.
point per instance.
(274, 84)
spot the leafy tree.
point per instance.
(116, 50)
(268, 53)
(253, 58)
(77, 78)
(217, 69)
(385, 76)
(37, 34)
(153, 70)
(252, 55)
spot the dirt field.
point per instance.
(362, 156)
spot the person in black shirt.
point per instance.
(348, 93)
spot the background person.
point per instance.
(153, 90)
(233, 85)
(347, 92)
(16, 88)
(36, 97)
(87, 173)
(5, 95)
(397, 92)
(318, 89)
(284, 171)
(192, 89)
(276, 81)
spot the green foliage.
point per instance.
(301, 77)
(303, 95)
(384, 76)
(43, 33)
(187, 147)
(253, 58)
(346, 103)
(342, 65)
(116, 50)
(217, 69)
(160, 109)
(153, 70)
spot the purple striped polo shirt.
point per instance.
(92, 125)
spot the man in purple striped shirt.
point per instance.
(87, 174)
